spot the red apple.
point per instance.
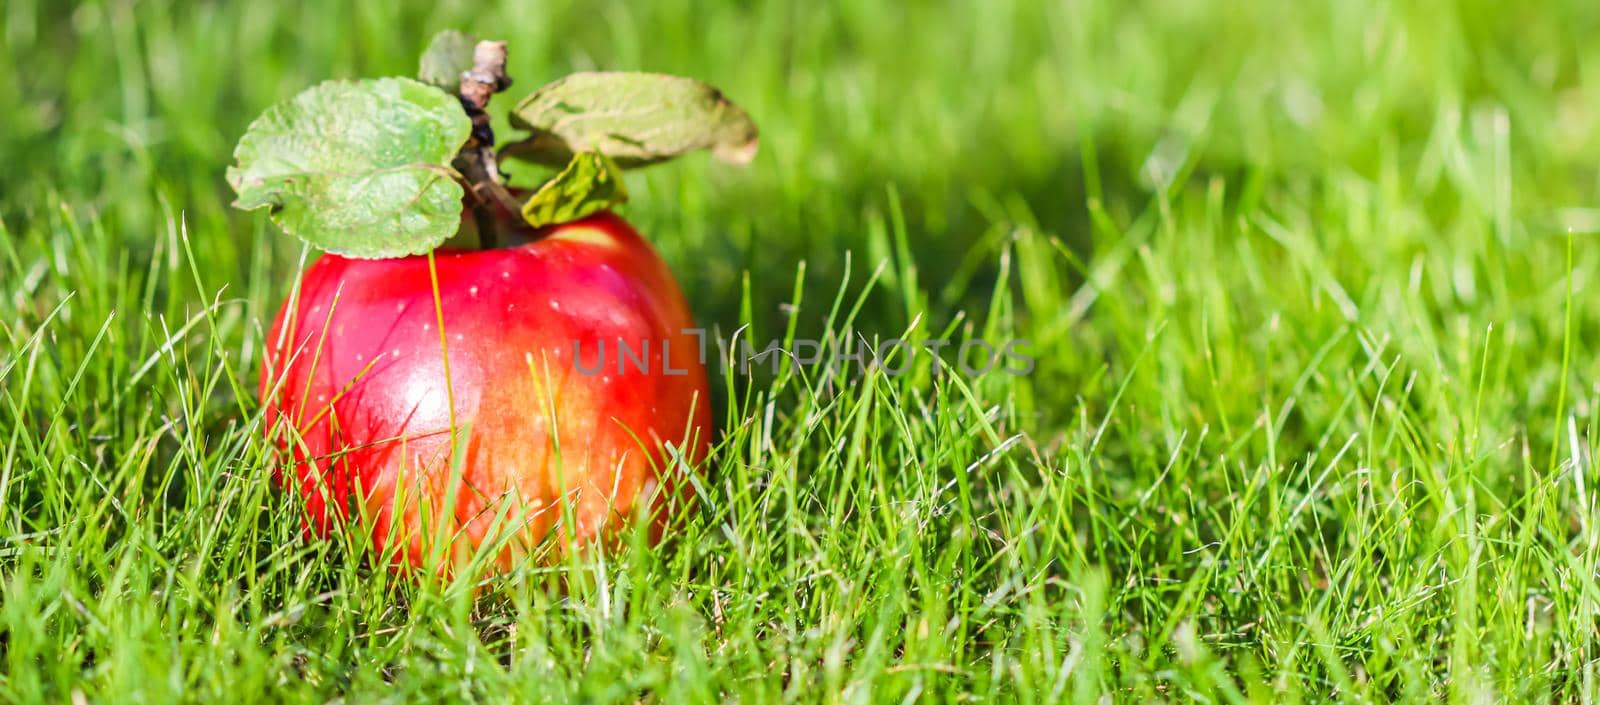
(358, 391)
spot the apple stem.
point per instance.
(477, 160)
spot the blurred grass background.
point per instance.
(1310, 285)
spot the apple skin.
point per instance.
(356, 369)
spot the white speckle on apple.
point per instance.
(555, 305)
(359, 357)
(394, 353)
(461, 336)
(505, 274)
(322, 397)
(427, 326)
(427, 404)
(400, 306)
(473, 291)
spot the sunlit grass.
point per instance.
(1309, 289)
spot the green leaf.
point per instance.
(357, 168)
(633, 118)
(447, 57)
(590, 183)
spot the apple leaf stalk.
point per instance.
(477, 161)
(381, 168)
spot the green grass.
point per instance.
(1311, 289)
